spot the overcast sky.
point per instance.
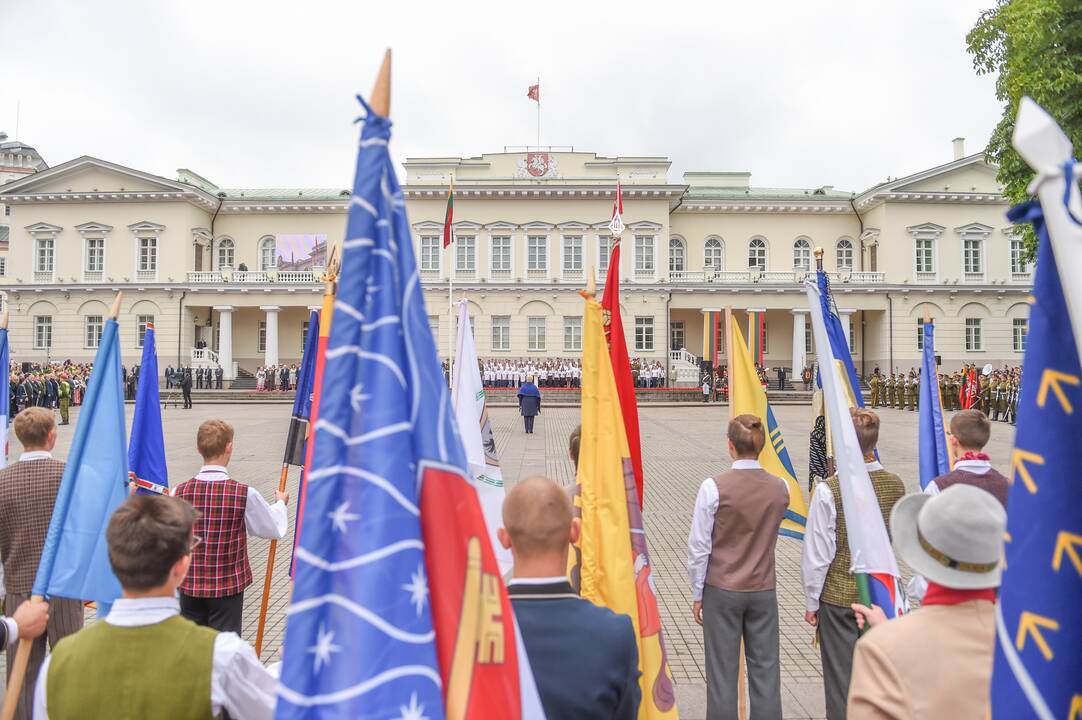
(260, 94)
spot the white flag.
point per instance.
(468, 397)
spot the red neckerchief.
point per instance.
(939, 595)
(970, 455)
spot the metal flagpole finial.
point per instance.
(380, 101)
(114, 312)
(818, 258)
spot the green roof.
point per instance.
(759, 193)
(285, 194)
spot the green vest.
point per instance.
(840, 588)
(149, 672)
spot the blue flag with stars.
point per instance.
(1038, 662)
(360, 641)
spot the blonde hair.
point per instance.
(33, 425)
(866, 423)
(212, 438)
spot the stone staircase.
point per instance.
(244, 381)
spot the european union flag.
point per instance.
(1038, 662)
(146, 452)
(934, 453)
(75, 559)
(360, 640)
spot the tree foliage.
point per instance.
(1035, 48)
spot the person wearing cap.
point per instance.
(954, 539)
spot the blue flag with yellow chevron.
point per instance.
(1038, 663)
(747, 396)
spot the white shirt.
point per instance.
(260, 518)
(821, 541)
(35, 455)
(13, 630)
(537, 580)
(238, 681)
(977, 467)
(700, 539)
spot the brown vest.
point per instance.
(27, 495)
(751, 505)
(991, 481)
(840, 587)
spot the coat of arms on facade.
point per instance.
(537, 165)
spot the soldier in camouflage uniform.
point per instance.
(914, 389)
(903, 392)
(888, 390)
(875, 383)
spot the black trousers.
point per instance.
(224, 614)
(187, 397)
(528, 420)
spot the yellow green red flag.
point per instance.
(747, 396)
(615, 569)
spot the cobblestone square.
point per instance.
(681, 446)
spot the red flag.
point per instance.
(534, 93)
(449, 217)
(621, 363)
(970, 390)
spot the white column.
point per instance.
(270, 355)
(225, 340)
(800, 320)
(844, 316)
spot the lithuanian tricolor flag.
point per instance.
(449, 216)
(756, 330)
(712, 335)
(615, 569)
(746, 396)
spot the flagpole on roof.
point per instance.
(538, 112)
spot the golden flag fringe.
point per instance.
(615, 570)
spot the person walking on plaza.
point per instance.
(936, 662)
(706, 388)
(145, 660)
(734, 529)
(829, 588)
(186, 387)
(28, 490)
(529, 404)
(212, 594)
(556, 624)
(970, 431)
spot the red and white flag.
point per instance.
(534, 93)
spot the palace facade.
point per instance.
(229, 275)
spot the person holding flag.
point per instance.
(146, 451)
(394, 556)
(847, 553)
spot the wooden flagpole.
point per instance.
(742, 699)
(380, 102)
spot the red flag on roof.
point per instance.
(534, 92)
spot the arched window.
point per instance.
(802, 255)
(677, 256)
(225, 254)
(757, 254)
(845, 254)
(714, 255)
(268, 258)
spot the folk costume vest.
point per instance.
(27, 495)
(220, 563)
(751, 505)
(153, 671)
(992, 481)
(840, 588)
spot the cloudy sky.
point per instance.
(260, 94)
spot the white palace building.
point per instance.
(236, 270)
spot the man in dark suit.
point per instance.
(584, 657)
(782, 375)
(218, 375)
(186, 387)
(283, 378)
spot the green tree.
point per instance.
(1035, 48)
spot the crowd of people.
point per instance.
(201, 378)
(995, 393)
(557, 372)
(283, 378)
(56, 386)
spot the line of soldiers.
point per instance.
(996, 393)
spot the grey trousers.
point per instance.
(65, 618)
(837, 640)
(727, 617)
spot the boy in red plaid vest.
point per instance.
(213, 592)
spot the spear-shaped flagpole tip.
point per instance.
(114, 313)
(591, 285)
(927, 317)
(4, 321)
(380, 100)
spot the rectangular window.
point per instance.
(924, 256)
(95, 255)
(501, 332)
(94, 328)
(434, 326)
(873, 258)
(142, 323)
(1020, 328)
(148, 254)
(304, 334)
(971, 256)
(573, 332)
(920, 334)
(644, 334)
(764, 338)
(852, 336)
(3, 266)
(43, 332)
(501, 255)
(677, 337)
(604, 246)
(572, 254)
(43, 258)
(807, 336)
(973, 334)
(536, 334)
(5, 234)
(1019, 266)
(430, 253)
(465, 254)
(537, 254)
(644, 254)
(261, 343)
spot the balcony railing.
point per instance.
(503, 273)
(682, 355)
(973, 277)
(572, 274)
(43, 276)
(265, 277)
(204, 355)
(92, 276)
(924, 276)
(1021, 277)
(769, 276)
(540, 274)
(146, 275)
(430, 275)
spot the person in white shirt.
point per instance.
(145, 660)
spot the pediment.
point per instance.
(146, 227)
(91, 175)
(975, 228)
(44, 227)
(92, 228)
(975, 176)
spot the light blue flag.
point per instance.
(146, 454)
(75, 560)
(934, 453)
